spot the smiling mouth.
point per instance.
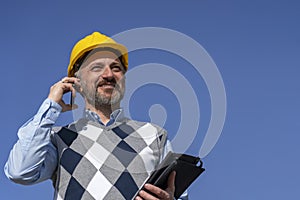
(108, 86)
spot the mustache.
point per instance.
(112, 82)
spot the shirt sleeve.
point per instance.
(167, 148)
(34, 158)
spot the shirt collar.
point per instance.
(116, 116)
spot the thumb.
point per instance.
(171, 182)
(68, 107)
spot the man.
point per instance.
(104, 155)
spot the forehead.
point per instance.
(99, 55)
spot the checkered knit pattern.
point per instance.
(99, 162)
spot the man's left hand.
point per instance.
(167, 194)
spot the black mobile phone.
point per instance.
(71, 100)
(71, 96)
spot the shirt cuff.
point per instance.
(47, 113)
(54, 110)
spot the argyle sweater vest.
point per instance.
(99, 162)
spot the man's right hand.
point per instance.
(167, 194)
(60, 88)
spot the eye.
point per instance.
(96, 68)
(116, 68)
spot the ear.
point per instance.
(78, 88)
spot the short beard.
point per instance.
(99, 100)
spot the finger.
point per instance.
(145, 195)
(69, 79)
(67, 87)
(138, 198)
(66, 108)
(171, 181)
(69, 107)
(72, 80)
(61, 88)
(162, 194)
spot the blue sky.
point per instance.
(255, 45)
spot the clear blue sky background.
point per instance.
(255, 44)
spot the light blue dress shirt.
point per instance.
(34, 158)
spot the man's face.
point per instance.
(102, 79)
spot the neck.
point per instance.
(103, 111)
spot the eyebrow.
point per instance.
(97, 62)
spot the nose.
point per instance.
(107, 73)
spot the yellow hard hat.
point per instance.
(93, 41)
